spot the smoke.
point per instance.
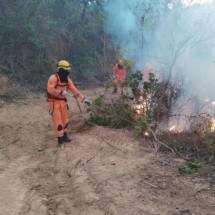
(130, 23)
(176, 36)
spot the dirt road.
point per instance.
(102, 172)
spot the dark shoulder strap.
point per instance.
(58, 81)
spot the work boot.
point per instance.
(115, 90)
(61, 142)
(66, 139)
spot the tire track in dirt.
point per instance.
(12, 189)
(102, 172)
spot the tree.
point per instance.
(35, 34)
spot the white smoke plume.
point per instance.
(176, 36)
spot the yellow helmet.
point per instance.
(63, 64)
(120, 62)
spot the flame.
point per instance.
(172, 128)
(140, 108)
(213, 125)
(143, 104)
(146, 134)
(175, 129)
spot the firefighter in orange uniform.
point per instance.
(59, 84)
(119, 73)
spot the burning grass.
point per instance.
(145, 113)
(198, 143)
(191, 146)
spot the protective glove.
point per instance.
(64, 93)
(87, 101)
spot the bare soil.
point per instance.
(102, 172)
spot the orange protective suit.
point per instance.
(119, 73)
(58, 107)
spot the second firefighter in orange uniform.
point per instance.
(120, 74)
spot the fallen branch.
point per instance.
(203, 115)
(11, 143)
(159, 142)
(118, 149)
(152, 185)
(94, 156)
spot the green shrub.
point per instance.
(140, 126)
(116, 114)
(208, 143)
(189, 168)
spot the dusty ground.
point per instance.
(102, 172)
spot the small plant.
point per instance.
(128, 65)
(117, 114)
(134, 81)
(189, 168)
(140, 126)
(208, 143)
